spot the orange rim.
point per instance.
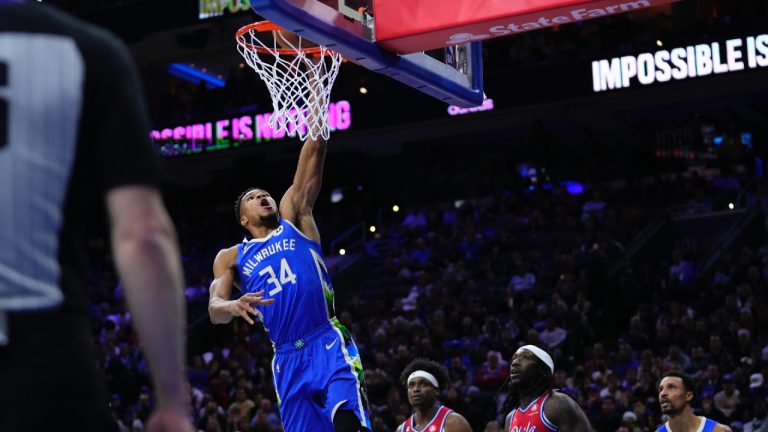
(265, 26)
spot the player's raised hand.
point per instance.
(244, 305)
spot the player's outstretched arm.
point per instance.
(149, 265)
(457, 423)
(566, 414)
(220, 308)
(298, 201)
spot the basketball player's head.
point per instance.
(255, 207)
(424, 380)
(676, 391)
(531, 366)
(531, 372)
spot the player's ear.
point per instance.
(243, 220)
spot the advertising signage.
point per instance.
(239, 131)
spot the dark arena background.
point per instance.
(607, 202)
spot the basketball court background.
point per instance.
(393, 145)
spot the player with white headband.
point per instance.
(534, 404)
(425, 380)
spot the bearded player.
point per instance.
(676, 392)
(318, 376)
(535, 404)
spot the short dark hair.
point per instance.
(239, 201)
(436, 369)
(689, 384)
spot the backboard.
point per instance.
(389, 37)
(350, 33)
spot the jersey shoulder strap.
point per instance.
(709, 425)
(406, 426)
(442, 415)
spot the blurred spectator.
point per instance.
(265, 420)
(493, 373)
(609, 419)
(522, 280)
(757, 386)
(676, 359)
(629, 422)
(243, 405)
(552, 336)
(727, 400)
(759, 422)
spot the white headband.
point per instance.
(423, 374)
(540, 353)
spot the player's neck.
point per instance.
(685, 421)
(425, 415)
(527, 398)
(262, 231)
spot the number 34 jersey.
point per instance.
(289, 267)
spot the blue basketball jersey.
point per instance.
(707, 425)
(289, 267)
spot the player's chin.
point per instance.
(268, 217)
(415, 400)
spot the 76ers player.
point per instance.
(318, 376)
(424, 379)
(536, 407)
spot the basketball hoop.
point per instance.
(299, 79)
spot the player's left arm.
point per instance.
(299, 200)
(722, 428)
(508, 421)
(566, 414)
(456, 422)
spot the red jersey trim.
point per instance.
(435, 425)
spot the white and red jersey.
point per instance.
(437, 424)
(532, 417)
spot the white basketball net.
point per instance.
(299, 83)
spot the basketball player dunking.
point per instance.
(317, 371)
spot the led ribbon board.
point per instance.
(227, 133)
(680, 63)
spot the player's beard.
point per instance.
(525, 380)
(529, 381)
(270, 219)
(671, 411)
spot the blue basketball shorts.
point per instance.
(318, 375)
